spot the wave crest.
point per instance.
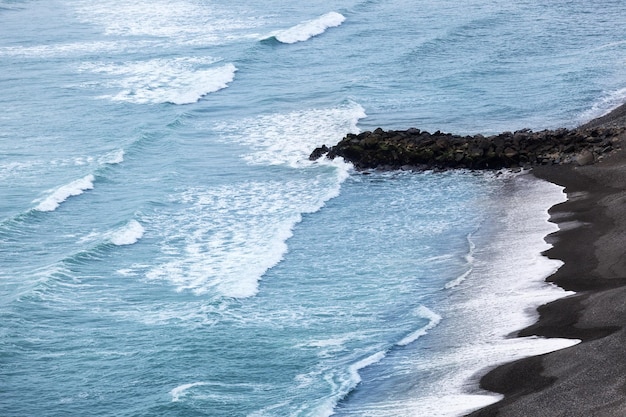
(128, 235)
(306, 30)
(433, 320)
(175, 81)
(66, 191)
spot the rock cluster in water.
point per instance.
(414, 149)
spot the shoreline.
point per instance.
(588, 378)
(589, 162)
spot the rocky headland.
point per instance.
(414, 149)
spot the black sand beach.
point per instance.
(588, 379)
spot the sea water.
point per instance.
(167, 248)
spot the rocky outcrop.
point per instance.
(418, 150)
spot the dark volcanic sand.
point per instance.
(588, 379)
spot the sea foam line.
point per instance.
(327, 408)
(306, 30)
(469, 259)
(433, 320)
(354, 369)
(66, 191)
(234, 234)
(178, 81)
(604, 106)
(181, 390)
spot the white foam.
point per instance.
(505, 289)
(498, 298)
(604, 105)
(62, 193)
(330, 347)
(233, 234)
(469, 258)
(90, 237)
(14, 168)
(327, 407)
(181, 390)
(179, 21)
(31, 168)
(364, 363)
(128, 235)
(65, 49)
(289, 138)
(177, 81)
(433, 320)
(113, 158)
(332, 342)
(306, 30)
(79, 161)
(458, 394)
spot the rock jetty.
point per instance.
(414, 149)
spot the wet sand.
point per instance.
(588, 379)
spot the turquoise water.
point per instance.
(166, 247)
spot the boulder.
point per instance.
(523, 148)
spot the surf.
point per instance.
(61, 194)
(176, 81)
(308, 29)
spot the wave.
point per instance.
(77, 187)
(67, 49)
(353, 378)
(10, 169)
(327, 408)
(181, 390)
(506, 299)
(288, 138)
(433, 320)
(66, 191)
(306, 30)
(97, 246)
(223, 239)
(176, 81)
(112, 158)
(169, 22)
(364, 363)
(232, 234)
(103, 243)
(603, 106)
(128, 235)
(469, 259)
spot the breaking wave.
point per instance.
(306, 30)
(129, 234)
(58, 196)
(176, 81)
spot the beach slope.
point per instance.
(588, 379)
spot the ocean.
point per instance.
(167, 248)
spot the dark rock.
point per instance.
(585, 157)
(318, 152)
(440, 151)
